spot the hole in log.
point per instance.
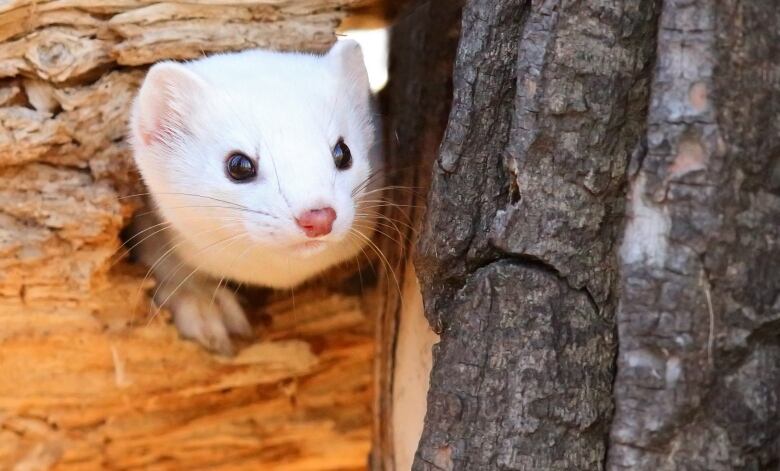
(107, 363)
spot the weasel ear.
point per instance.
(165, 102)
(347, 57)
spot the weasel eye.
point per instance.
(240, 168)
(342, 157)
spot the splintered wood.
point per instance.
(89, 378)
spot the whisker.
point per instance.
(374, 214)
(360, 246)
(182, 263)
(168, 225)
(255, 211)
(380, 172)
(357, 264)
(378, 231)
(382, 257)
(390, 204)
(353, 240)
(411, 189)
(171, 248)
(183, 194)
(368, 181)
(130, 249)
(399, 210)
(142, 232)
(229, 240)
(381, 223)
(222, 278)
(214, 294)
(389, 222)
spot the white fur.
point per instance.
(286, 111)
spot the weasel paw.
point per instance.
(209, 318)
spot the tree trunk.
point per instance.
(87, 379)
(699, 367)
(529, 269)
(516, 257)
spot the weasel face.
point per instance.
(260, 150)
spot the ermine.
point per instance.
(260, 168)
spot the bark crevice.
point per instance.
(517, 252)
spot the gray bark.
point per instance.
(566, 117)
(516, 256)
(698, 379)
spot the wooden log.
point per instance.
(88, 379)
(423, 44)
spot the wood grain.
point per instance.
(88, 378)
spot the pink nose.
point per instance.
(317, 222)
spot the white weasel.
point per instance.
(261, 166)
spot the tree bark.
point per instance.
(699, 368)
(565, 117)
(516, 257)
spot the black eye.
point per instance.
(240, 168)
(342, 157)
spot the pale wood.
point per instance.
(88, 379)
(423, 43)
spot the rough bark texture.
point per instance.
(699, 369)
(516, 256)
(416, 100)
(87, 379)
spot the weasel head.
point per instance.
(266, 149)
